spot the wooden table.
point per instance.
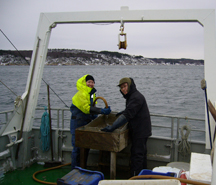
(112, 162)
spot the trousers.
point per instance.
(78, 119)
(75, 154)
(138, 155)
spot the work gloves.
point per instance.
(106, 111)
(96, 110)
(121, 120)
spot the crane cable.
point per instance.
(8, 88)
(29, 64)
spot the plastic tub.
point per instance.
(81, 176)
(149, 172)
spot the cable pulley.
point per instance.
(122, 37)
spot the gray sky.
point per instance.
(19, 21)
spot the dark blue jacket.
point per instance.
(137, 113)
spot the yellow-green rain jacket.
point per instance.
(85, 96)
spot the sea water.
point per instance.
(169, 90)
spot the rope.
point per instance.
(100, 97)
(29, 64)
(184, 146)
(52, 168)
(45, 131)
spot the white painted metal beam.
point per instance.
(130, 16)
(210, 66)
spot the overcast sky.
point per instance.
(19, 21)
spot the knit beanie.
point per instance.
(89, 77)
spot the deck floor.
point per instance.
(25, 176)
(19, 177)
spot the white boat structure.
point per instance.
(18, 137)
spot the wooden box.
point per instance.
(91, 136)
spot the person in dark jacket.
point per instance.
(137, 115)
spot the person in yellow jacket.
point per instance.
(82, 111)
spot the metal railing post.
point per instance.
(58, 118)
(6, 117)
(177, 141)
(172, 127)
(62, 119)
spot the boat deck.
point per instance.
(25, 176)
(19, 177)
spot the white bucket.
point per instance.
(140, 182)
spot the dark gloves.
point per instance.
(121, 120)
(106, 111)
(108, 128)
(95, 110)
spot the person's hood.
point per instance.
(81, 85)
(132, 89)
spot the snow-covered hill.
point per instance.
(83, 57)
